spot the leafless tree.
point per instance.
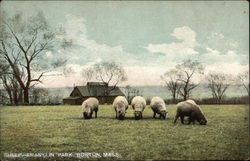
(243, 78)
(218, 83)
(186, 70)
(131, 92)
(10, 84)
(38, 94)
(107, 72)
(87, 74)
(172, 83)
(23, 43)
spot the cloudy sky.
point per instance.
(146, 38)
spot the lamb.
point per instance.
(120, 105)
(138, 104)
(88, 106)
(157, 104)
(191, 109)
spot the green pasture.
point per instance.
(61, 129)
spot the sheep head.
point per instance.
(138, 115)
(121, 114)
(163, 114)
(203, 121)
(201, 118)
(87, 114)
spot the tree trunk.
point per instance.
(185, 94)
(20, 96)
(26, 95)
(219, 100)
(15, 96)
(10, 96)
(174, 98)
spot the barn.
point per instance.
(93, 89)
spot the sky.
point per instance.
(147, 38)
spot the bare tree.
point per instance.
(107, 72)
(131, 92)
(38, 94)
(23, 44)
(218, 83)
(10, 84)
(172, 83)
(243, 78)
(186, 71)
(87, 74)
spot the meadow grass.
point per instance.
(61, 129)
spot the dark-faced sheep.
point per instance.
(120, 105)
(157, 104)
(192, 110)
(138, 103)
(89, 106)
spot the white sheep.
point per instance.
(120, 105)
(192, 110)
(138, 104)
(88, 106)
(157, 104)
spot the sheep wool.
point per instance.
(120, 105)
(138, 104)
(158, 106)
(89, 106)
(192, 110)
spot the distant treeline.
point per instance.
(54, 96)
(211, 101)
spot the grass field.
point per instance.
(61, 129)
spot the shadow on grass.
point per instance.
(143, 119)
(125, 119)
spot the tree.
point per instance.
(186, 70)
(107, 72)
(10, 84)
(87, 74)
(172, 83)
(38, 94)
(218, 83)
(243, 78)
(23, 45)
(131, 92)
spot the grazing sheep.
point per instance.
(191, 109)
(157, 104)
(120, 105)
(88, 106)
(138, 104)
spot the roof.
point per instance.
(71, 98)
(96, 84)
(98, 91)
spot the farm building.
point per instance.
(93, 89)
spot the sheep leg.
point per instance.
(96, 114)
(154, 115)
(176, 117)
(190, 119)
(182, 119)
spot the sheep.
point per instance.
(157, 104)
(88, 106)
(120, 105)
(191, 109)
(138, 104)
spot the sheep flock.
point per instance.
(186, 108)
